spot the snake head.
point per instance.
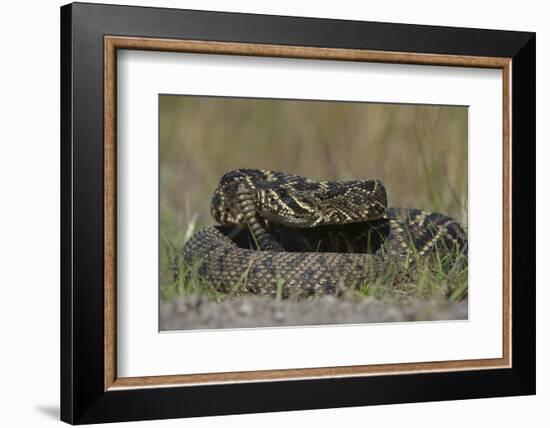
(335, 204)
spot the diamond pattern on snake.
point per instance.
(285, 233)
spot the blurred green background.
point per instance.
(419, 152)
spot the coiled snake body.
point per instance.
(281, 233)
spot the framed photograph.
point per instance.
(265, 213)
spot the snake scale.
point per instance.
(282, 233)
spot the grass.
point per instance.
(419, 152)
(443, 276)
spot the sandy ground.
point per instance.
(252, 311)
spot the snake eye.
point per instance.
(282, 193)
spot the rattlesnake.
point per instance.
(285, 234)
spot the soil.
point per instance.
(253, 311)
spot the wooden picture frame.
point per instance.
(91, 391)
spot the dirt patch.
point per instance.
(253, 311)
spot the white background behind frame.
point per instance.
(142, 351)
(39, 406)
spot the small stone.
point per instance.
(246, 309)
